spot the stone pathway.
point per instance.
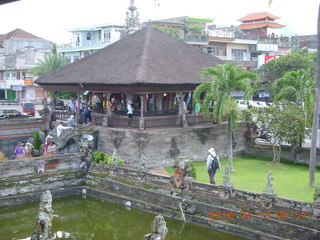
(160, 170)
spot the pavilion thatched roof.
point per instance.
(147, 60)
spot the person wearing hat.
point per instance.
(129, 112)
(213, 163)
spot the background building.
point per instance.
(20, 51)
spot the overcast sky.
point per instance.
(49, 19)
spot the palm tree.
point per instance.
(50, 63)
(297, 86)
(220, 82)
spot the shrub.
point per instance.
(36, 141)
(103, 158)
(315, 193)
(193, 171)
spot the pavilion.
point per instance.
(148, 61)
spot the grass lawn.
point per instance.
(289, 180)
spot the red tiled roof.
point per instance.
(260, 25)
(19, 33)
(258, 15)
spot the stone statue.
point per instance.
(187, 206)
(44, 220)
(158, 228)
(226, 178)
(269, 189)
(182, 177)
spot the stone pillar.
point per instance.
(142, 125)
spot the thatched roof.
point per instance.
(146, 60)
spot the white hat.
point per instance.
(212, 151)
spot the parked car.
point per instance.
(29, 108)
(11, 113)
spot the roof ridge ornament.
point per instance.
(132, 19)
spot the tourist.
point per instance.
(129, 113)
(19, 151)
(60, 129)
(112, 106)
(70, 121)
(72, 105)
(97, 102)
(87, 114)
(51, 149)
(28, 149)
(213, 163)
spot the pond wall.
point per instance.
(159, 145)
(242, 213)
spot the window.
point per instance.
(239, 54)
(14, 75)
(76, 58)
(221, 51)
(23, 75)
(88, 36)
(106, 36)
(68, 59)
(18, 75)
(209, 49)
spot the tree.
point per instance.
(196, 29)
(218, 84)
(315, 123)
(276, 68)
(286, 124)
(170, 30)
(296, 86)
(50, 63)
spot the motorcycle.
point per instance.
(264, 134)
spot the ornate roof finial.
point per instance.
(132, 19)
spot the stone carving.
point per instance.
(86, 146)
(159, 229)
(187, 206)
(226, 178)
(203, 133)
(174, 150)
(267, 198)
(269, 189)
(44, 220)
(132, 19)
(182, 177)
(116, 139)
(250, 136)
(141, 139)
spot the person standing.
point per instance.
(129, 113)
(19, 151)
(112, 106)
(28, 149)
(213, 163)
(87, 114)
(51, 149)
(72, 105)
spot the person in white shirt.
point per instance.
(213, 163)
(60, 128)
(129, 113)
